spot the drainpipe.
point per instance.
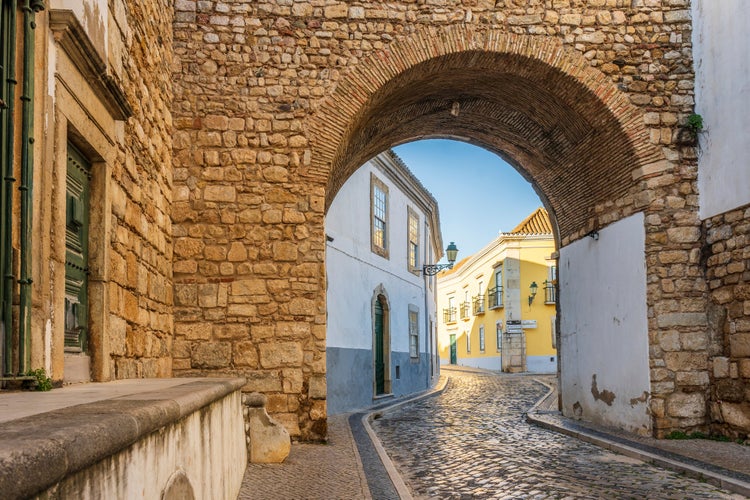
(6, 160)
(30, 8)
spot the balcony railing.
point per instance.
(449, 315)
(550, 292)
(496, 297)
(464, 310)
(478, 304)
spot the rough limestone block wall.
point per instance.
(140, 288)
(275, 107)
(728, 263)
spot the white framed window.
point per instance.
(481, 338)
(379, 216)
(496, 291)
(413, 240)
(413, 333)
(499, 334)
(550, 285)
(449, 314)
(468, 341)
(553, 321)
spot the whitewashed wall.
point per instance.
(722, 61)
(354, 272)
(206, 447)
(604, 328)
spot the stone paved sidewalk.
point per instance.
(312, 471)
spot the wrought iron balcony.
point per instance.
(550, 292)
(464, 310)
(478, 304)
(449, 315)
(496, 297)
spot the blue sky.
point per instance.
(478, 193)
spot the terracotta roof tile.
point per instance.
(536, 223)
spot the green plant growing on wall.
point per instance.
(43, 382)
(687, 134)
(694, 123)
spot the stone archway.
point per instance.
(570, 131)
(572, 110)
(530, 99)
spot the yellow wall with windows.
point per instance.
(531, 255)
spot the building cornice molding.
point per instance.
(72, 38)
(489, 251)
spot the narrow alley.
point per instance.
(472, 441)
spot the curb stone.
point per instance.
(546, 420)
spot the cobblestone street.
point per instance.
(472, 441)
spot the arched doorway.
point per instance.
(381, 346)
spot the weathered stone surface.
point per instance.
(211, 355)
(269, 440)
(721, 367)
(736, 414)
(686, 405)
(275, 355)
(317, 388)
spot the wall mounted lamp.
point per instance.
(532, 291)
(432, 269)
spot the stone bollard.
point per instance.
(268, 441)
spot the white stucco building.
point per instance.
(381, 228)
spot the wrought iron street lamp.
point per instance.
(432, 269)
(532, 289)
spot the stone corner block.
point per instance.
(269, 441)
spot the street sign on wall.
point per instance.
(513, 326)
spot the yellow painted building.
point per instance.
(497, 307)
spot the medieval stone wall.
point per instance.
(727, 260)
(276, 103)
(140, 289)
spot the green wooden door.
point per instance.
(379, 350)
(454, 353)
(76, 251)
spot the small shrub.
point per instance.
(694, 123)
(43, 382)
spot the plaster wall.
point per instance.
(541, 364)
(604, 330)
(206, 447)
(488, 363)
(722, 98)
(354, 272)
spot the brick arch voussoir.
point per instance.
(339, 113)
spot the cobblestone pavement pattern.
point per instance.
(472, 441)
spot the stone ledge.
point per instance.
(37, 451)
